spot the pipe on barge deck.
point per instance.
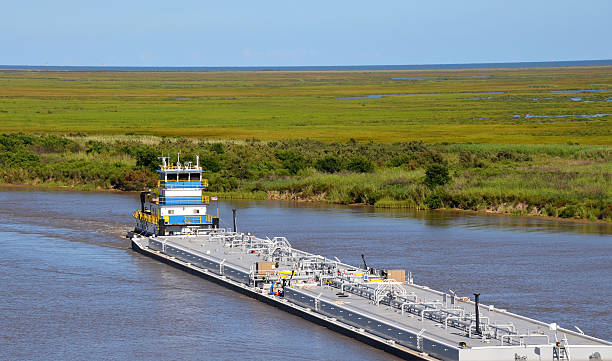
(334, 325)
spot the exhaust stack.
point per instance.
(476, 295)
(234, 214)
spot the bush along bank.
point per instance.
(567, 181)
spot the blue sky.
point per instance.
(274, 33)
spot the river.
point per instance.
(72, 289)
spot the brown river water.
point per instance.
(71, 288)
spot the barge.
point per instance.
(383, 308)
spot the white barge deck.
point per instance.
(401, 317)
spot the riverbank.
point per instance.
(260, 196)
(567, 181)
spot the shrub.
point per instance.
(222, 182)
(329, 164)
(53, 143)
(292, 161)
(511, 156)
(364, 194)
(239, 167)
(134, 180)
(417, 159)
(210, 164)
(147, 158)
(93, 146)
(17, 157)
(470, 160)
(217, 148)
(415, 146)
(606, 212)
(435, 200)
(436, 175)
(10, 141)
(572, 211)
(360, 165)
(400, 160)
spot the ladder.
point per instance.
(560, 353)
(419, 340)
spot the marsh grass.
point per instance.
(572, 181)
(262, 137)
(269, 105)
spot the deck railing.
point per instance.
(183, 184)
(151, 218)
(183, 200)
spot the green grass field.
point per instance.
(511, 140)
(280, 105)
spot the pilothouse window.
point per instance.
(183, 176)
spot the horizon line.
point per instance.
(548, 63)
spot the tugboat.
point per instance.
(384, 308)
(178, 204)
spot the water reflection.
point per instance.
(445, 218)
